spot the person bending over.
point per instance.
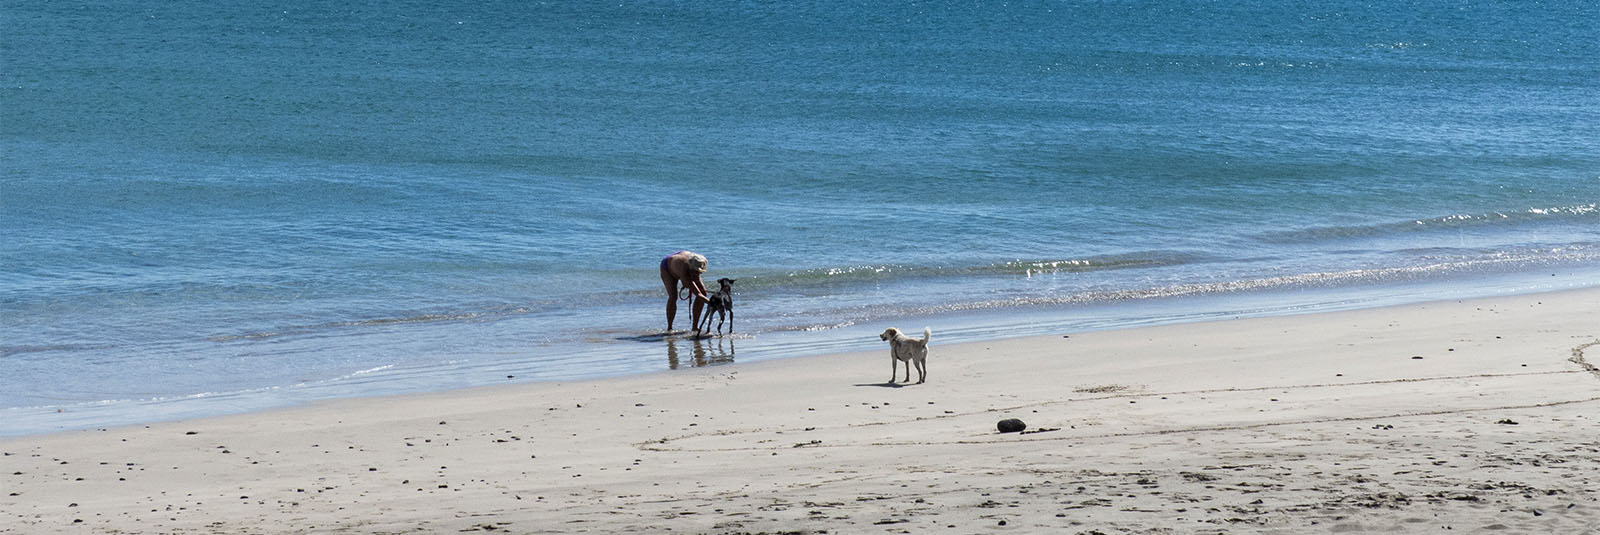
(684, 267)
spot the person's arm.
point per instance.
(699, 290)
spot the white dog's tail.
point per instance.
(926, 334)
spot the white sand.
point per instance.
(1324, 423)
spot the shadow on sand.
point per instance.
(884, 385)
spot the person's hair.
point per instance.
(698, 262)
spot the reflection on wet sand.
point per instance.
(704, 351)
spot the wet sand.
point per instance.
(1460, 416)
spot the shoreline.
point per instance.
(610, 352)
(1461, 414)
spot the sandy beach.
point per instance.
(1459, 416)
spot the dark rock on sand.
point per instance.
(1011, 425)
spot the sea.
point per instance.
(210, 208)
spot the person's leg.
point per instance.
(694, 285)
(672, 296)
(699, 305)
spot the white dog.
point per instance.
(909, 350)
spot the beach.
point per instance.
(1470, 416)
(1243, 267)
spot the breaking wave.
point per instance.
(1576, 214)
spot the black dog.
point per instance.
(722, 304)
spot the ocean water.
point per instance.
(214, 208)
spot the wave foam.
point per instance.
(1582, 213)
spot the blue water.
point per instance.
(218, 208)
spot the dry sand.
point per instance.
(1460, 417)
